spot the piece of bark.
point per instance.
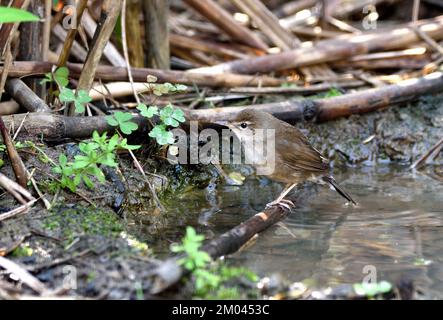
(21, 93)
(223, 19)
(333, 49)
(332, 108)
(110, 73)
(157, 33)
(133, 27)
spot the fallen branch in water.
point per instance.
(430, 154)
(335, 107)
(170, 272)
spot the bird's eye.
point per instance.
(243, 125)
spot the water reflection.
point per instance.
(397, 227)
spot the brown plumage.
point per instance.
(296, 160)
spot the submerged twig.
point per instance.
(430, 154)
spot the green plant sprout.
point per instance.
(160, 89)
(100, 151)
(123, 121)
(60, 77)
(80, 98)
(209, 278)
(169, 117)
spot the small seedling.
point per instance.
(80, 99)
(60, 76)
(169, 117)
(123, 121)
(209, 277)
(99, 151)
(165, 88)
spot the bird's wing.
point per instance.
(303, 157)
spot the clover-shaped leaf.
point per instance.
(81, 100)
(61, 76)
(147, 112)
(67, 95)
(171, 116)
(162, 136)
(123, 121)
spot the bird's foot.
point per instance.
(283, 203)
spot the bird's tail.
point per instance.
(337, 188)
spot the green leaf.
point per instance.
(79, 107)
(67, 95)
(147, 112)
(112, 143)
(122, 116)
(61, 76)
(111, 121)
(128, 127)
(62, 159)
(88, 182)
(48, 78)
(169, 121)
(179, 115)
(10, 15)
(122, 119)
(83, 96)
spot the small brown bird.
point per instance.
(295, 159)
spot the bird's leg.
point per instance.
(280, 201)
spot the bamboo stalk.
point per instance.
(332, 108)
(333, 49)
(110, 73)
